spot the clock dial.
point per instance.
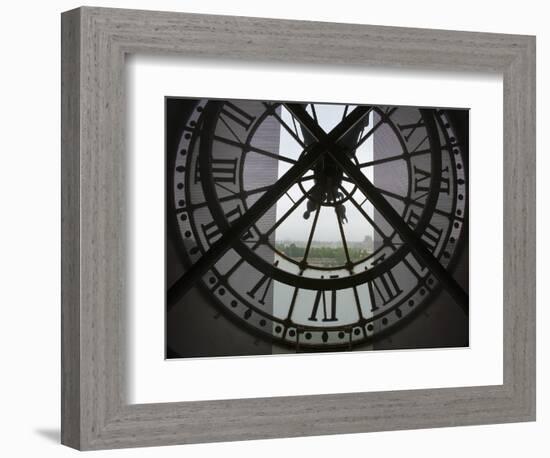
(362, 224)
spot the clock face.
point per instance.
(317, 226)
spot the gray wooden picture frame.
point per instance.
(95, 412)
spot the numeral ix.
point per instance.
(223, 171)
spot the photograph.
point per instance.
(296, 227)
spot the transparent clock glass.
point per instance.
(296, 227)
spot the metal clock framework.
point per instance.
(224, 185)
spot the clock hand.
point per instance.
(303, 263)
(232, 233)
(340, 210)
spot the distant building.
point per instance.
(368, 243)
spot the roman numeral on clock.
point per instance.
(409, 129)
(232, 113)
(212, 231)
(223, 171)
(422, 181)
(263, 284)
(431, 235)
(384, 288)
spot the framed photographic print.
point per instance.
(255, 220)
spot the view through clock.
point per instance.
(297, 227)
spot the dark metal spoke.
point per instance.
(412, 269)
(409, 201)
(233, 269)
(314, 113)
(282, 219)
(303, 117)
(374, 129)
(295, 126)
(232, 234)
(292, 303)
(234, 195)
(394, 195)
(311, 233)
(365, 214)
(345, 111)
(290, 197)
(343, 236)
(293, 134)
(357, 303)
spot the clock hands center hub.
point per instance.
(328, 180)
